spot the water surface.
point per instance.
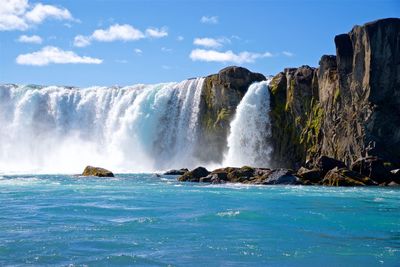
(146, 220)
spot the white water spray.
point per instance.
(250, 129)
(130, 129)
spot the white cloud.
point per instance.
(81, 41)
(166, 67)
(209, 20)
(119, 32)
(228, 56)
(41, 12)
(138, 51)
(287, 53)
(34, 39)
(55, 55)
(180, 38)
(156, 33)
(20, 15)
(208, 42)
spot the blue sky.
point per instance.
(121, 42)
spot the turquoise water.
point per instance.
(146, 220)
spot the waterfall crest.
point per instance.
(130, 129)
(248, 141)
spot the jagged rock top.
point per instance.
(237, 77)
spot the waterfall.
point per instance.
(130, 129)
(248, 141)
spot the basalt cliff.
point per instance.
(347, 109)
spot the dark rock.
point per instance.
(176, 172)
(97, 171)
(326, 164)
(220, 96)
(194, 175)
(394, 184)
(395, 175)
(372, 167)
(346, 109)
(240, 175)
(345, 177)
(313, 175)
(282, 176)
(214, 178)
(292, 97)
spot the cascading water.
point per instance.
(250, 129)
(137, 128)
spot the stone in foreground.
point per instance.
(194, 175)
(176, 172)
(97, 171)
(345, 177)
(283, 177)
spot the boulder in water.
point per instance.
(326, 164)
(372, 167)
(313, 175)
(393, 184)
(176, 172)
(97, 171)
(345, 177)
(282, 176)
(194, 175)
(240, 175)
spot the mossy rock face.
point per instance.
(97, 171)
(194, 175)
(345, 177)
(220, 96)
(294, 99)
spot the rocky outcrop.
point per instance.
(176, 172)
(325, 164)
(220, 96)
(348, 108)
(97, 171)
(373, 168)
(194, 175)
(365, 118)
(245, 175)
(293, 99)
(345, 177)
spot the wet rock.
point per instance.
(326, 164)
(240, 175)
(395, 175)
(372, 167)
(345, 177)
(282, 176)
(313, 175)
(393, 184)
(97, 171)
(194, 175)
(214, 178)
(176, 172)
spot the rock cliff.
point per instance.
(220, 96)
(348, 108)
